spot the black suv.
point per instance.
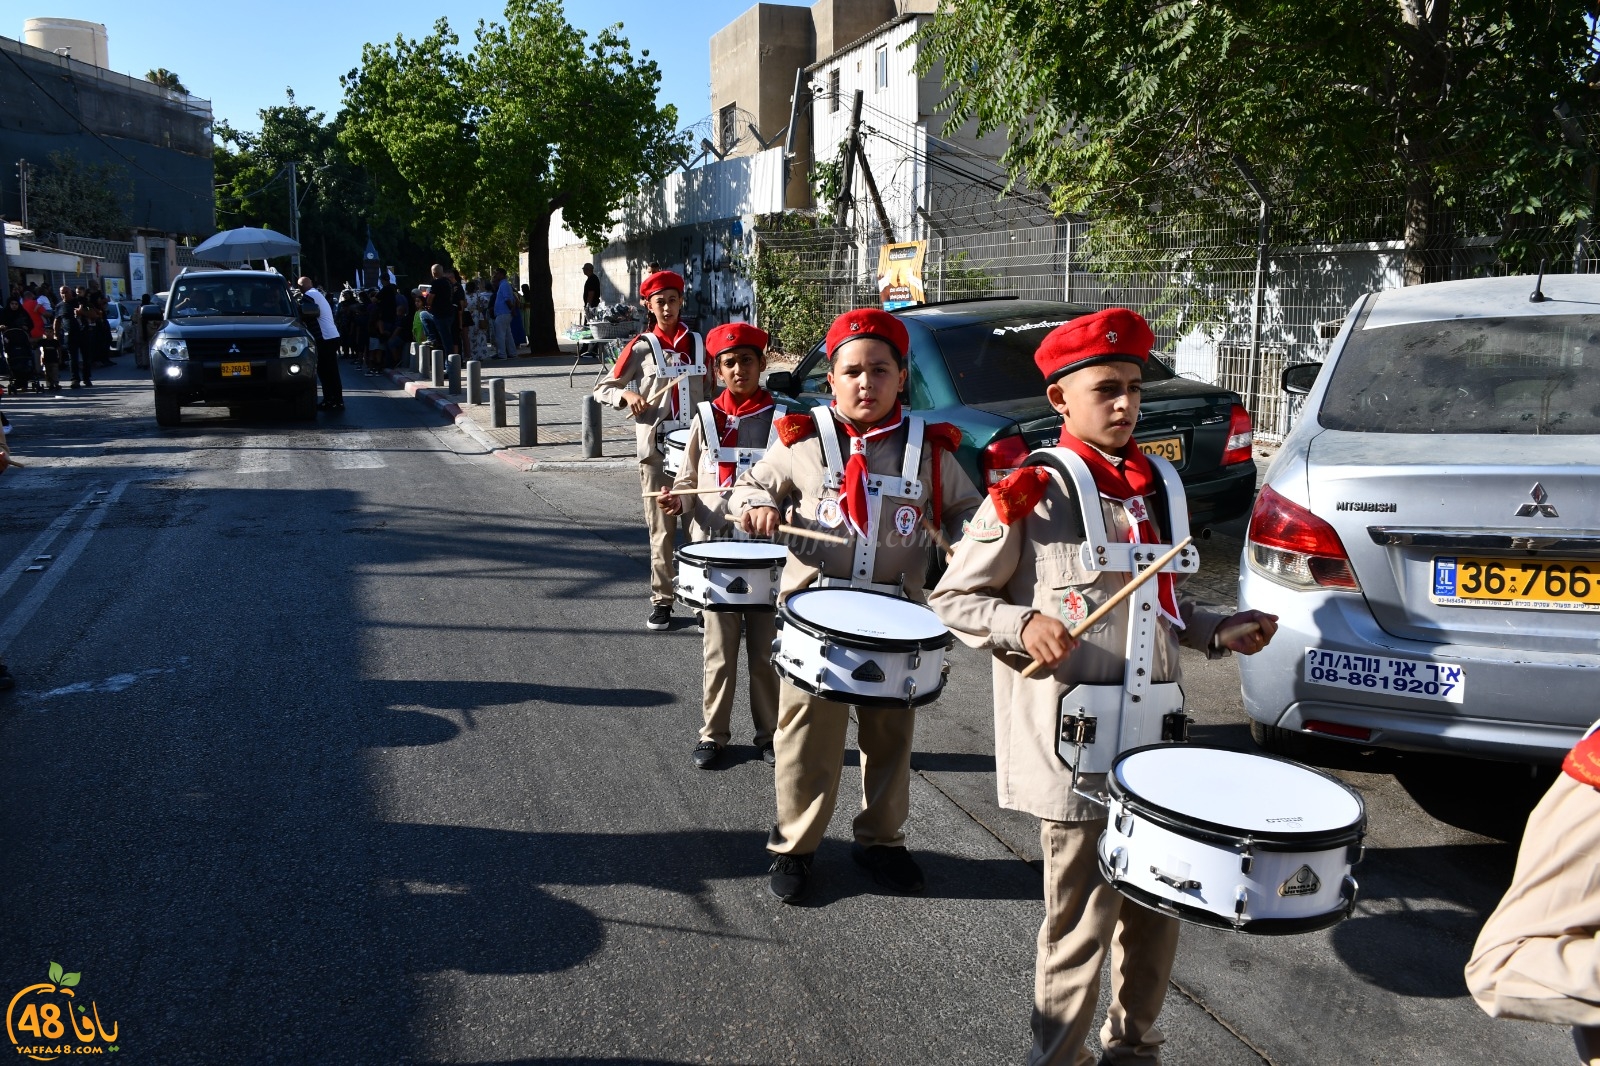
(229, 338)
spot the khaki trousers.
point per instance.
(722, 672)
(663, 528)
(1083, 917)
(809, 746)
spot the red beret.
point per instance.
(1115, 335)
(661, 279)
(735, 335)
(869, 322)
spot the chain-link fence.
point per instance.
(1233, 299)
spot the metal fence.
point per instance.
(1196, 281)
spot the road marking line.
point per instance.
(24, 611)
(352, 451)
(41, 542)
(114, 683)
(262, 455)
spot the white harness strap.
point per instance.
(682, 373)
(741, 458)
(879, 489)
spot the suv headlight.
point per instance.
(173, 348)
(290, 347)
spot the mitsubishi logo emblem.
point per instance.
(233, 349)
(1538, 506)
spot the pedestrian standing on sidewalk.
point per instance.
(504, 306)
(1013, 587)
(81, 346)
(325, 334)
(463, 314)
(440, 317)
(478, 304)
(737, 425)
(591, 288)
(867, 500)
(666, 354)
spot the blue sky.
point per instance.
(242, 57)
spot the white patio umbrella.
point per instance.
(236, 245)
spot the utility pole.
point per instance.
(877, 201)
(847, 179)
(294, 222)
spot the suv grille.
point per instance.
(219, 347)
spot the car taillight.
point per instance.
(1290, 545)
(1002, 456)
(1241, 436)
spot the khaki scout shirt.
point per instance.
(1538, 956)
(636, 370)
(1000, 577)
(797, 474)
(708, 515)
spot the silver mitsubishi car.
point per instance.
(1429, 534)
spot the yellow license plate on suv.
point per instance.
(1528, 584)
(235, 370)
(1169, 448)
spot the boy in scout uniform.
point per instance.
(1014, 585)
(729, 434)
(658, 380)
(886, 550)
(1538, 956)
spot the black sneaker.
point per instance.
(706, 754)
(891, 867)
(660, 617)
(791, 877)
(769, 756)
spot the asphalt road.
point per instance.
(346, 743)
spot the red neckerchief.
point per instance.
(1583, 762)
(728, 428)
(855, 468)
(674, 348)
(1130, 485)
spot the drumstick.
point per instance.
(796, 531)
(12, 462)
(938, 538)
(1243, 629)
(1121, 594)
(661, 393)
(689, 492)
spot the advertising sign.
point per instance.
(900, 274)
(138, 279)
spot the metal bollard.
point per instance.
(497, 400)
(475, 382)
(424, 358)
(438, 368)
(454, 374)
(527, 417)
(591, 427)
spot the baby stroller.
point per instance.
(22, 362)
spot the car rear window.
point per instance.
(201, 297)
(1536, 374)
(993, 362)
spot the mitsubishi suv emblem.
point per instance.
(233, 349)
(1538, 506)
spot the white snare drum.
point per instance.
(1231, 840)
(730, 575)
(859, 647)
(673, 445)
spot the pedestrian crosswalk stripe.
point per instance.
(353, 451)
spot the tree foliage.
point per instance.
(79, 199)
(483, 146)
(1431, 113)
(166, 79)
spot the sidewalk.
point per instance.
(560, 408)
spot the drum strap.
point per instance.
(741, 458)
(693, 369)
(879, 488)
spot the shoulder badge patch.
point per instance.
(981, 529)
(1019, 493)
(946, 435)
(1583, 762)
(792, 429)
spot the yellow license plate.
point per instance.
(1529, 584)
(235, 370)
(1169, 448)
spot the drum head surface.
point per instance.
(678, 438)
(866, 614)
(735, 551)
(1245, 792)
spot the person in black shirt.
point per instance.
(591, 288)
(440, 317)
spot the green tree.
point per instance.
(166, 79)
(82, 200)
(1451, 108)
(483, 147)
